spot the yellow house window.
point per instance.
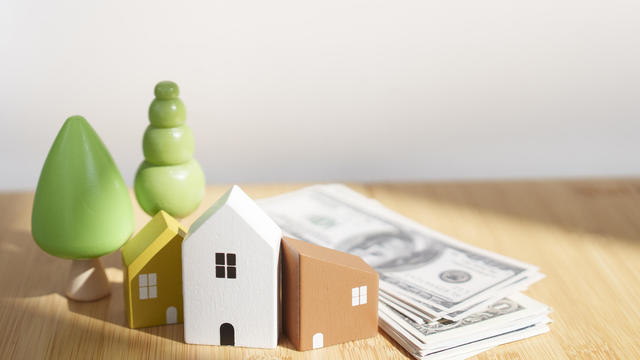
(148, 285)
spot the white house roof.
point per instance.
(236, 200)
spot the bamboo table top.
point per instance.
(585, 235)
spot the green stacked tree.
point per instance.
(82, 209)
(169, 179)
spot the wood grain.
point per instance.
(585, 235)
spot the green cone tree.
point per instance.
(169, 178)
(82, 209)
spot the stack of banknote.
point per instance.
(439, 297)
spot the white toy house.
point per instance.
(230, 275)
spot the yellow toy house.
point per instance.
(152, 278)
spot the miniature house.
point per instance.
(230, 275)
(329, 297)
(153, 273)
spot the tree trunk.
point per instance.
(87, 280)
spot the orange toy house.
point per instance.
(329, 297)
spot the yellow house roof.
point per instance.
(140, 249)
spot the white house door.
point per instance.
(172, 315)
(318, 341)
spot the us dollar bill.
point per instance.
(504, 315)
(466, 348)
(447, 275)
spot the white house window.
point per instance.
(359, 295)
(226, 265)
(148, 285)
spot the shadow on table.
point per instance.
(608, 208)
(39, 274)
(35, 273)
(176, 333)
(173, 332)
(102, 309)
(111, 307)
(43, 333)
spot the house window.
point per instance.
(148, 285)
(226, 265)
(359, 295)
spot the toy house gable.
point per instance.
(329, 297)
(152, 276)
(230, 275)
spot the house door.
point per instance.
(172, 315)
(227, 337)
(318, 341)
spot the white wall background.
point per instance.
(333, 89)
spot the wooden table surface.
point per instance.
(585, 235)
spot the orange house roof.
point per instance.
(329, 255)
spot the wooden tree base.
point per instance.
(87, 280)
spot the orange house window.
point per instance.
(359, 295)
